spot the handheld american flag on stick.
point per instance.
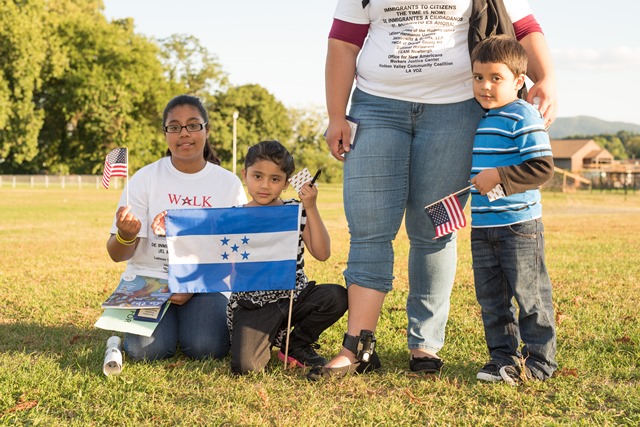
(447, 215)
(115, 165)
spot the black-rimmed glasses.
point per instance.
(191, 127)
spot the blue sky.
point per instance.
(281, 45)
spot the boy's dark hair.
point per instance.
(501, 49)
(209, 153)
(272, 151)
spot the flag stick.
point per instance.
(286, 346)
(452, 194)
(126, 181)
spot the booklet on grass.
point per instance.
(138, 292)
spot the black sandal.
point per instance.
(426, 364)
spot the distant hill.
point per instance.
(585, 125)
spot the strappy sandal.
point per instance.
(319, 373)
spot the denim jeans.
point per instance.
(255, 329)
(405, 156)
(199, 327)
(508, 263)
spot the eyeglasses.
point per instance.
(191, 127)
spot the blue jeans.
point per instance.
(199, 327)
(508, 263)
(405, 156)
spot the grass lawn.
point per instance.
(55, 273)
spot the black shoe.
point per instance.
(426, 364)
(490, 372)
(321, 372)
(304, 356)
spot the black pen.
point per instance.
(315, 177)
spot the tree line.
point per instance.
(74, 85)
(622, 145)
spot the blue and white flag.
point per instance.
(232, 249)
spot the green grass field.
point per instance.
(55, 273)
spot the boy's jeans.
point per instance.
(509, 262)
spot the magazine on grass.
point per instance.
(135, 291)
(116, 319)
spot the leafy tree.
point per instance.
(73, 86)
(260, 116)
(633, 146)
(613, 145)
(190, 67)
(29, 54)
(308, 144)
(110, 94)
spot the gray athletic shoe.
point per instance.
(516, 374)
(490, 372)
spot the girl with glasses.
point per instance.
(189, 176)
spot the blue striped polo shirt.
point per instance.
(508, 136)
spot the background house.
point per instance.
(583, 161)
(575, 155)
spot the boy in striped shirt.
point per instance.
(511, 150)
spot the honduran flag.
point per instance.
(232, 249)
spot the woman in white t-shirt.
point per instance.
(416, 117)
(188, 177)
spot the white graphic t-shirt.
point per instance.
(160, 186)
(417, 51)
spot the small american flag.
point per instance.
(115, 165)
(446, 215)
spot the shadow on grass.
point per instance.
(80, 349)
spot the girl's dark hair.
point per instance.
(272, 151)
(208, 153)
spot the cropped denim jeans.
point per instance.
(199, 327)
(508, 264)
(405, 156)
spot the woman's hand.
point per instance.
(540, 71)
(543, 96)
(337, 133)
(340, 70)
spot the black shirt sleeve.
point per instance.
(526, 176)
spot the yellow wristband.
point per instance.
(125, 242)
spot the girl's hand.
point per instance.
(158, 225)
(308, 195)
(128, 225)
(180, 299)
